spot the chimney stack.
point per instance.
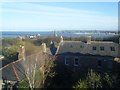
(22, 52)
(61, 39)
(89, 40)
(44, 47)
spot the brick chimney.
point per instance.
(89, 40)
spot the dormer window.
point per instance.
(66, 60)
(76, 61)
(102, 48)
(112, 48)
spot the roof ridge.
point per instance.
(14, 70)
(10, 64)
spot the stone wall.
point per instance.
(87, 62)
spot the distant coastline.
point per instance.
(67, 33)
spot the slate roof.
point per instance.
(67, 45)
(13, 71)
(81, 47)
(16, 70)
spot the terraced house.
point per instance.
(98, 55)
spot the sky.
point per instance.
(38, 16)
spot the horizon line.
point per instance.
(72, 30)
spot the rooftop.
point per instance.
(85, 48)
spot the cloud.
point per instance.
(28, 15)
(28, 8)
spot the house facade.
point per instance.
(98, 55)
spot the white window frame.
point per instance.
(74, 61)
(66, 58)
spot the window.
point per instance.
(102, 48)
(99, 63)
(71, 46)
(112, 48)
(94, 48)
(67, 60)
(81, 46)
(76, 62)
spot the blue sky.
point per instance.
(59, 16)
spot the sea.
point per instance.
(14, 34)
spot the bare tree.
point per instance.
(49, 63)
(33, 72)
(36, 66)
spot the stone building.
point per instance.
(98, 55)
